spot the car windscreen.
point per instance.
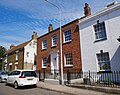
(29, 74)
(4, 73)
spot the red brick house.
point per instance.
(48, 48)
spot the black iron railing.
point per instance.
(108, 79)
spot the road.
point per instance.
(9, 90)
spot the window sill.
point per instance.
(100, 40)
(16, 60)
(67, 42)
(68, 66)
(44, 67)
(104, 71)
(53, 46)
(43, 49)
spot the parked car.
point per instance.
(22, 78)
(3, 76)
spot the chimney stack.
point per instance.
(50, 28)
(34, 36)
(87, 10)
(12, 46)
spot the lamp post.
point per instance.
(61, 63)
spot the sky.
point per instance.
(20, 18)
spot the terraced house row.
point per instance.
(88, 43)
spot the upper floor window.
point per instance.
(103, 61)
(68, 59)
(16, 54)
(44, 62)
(34, 42)
(54, 40)
(67, 36)
(100, 31)
(27, 54)
(44, 44)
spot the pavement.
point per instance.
(77, 90)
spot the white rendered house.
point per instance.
(22, 56)
(100, 49)
(30, 53)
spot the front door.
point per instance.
(54, 62)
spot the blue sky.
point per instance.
(20, 18)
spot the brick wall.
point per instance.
(73, 47)
(12, 59)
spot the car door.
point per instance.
(15, 76)
(9, 79)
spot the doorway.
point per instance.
(54, 63)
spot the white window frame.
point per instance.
(67, 35)
(68, 65)
(43, 62)
(43, 47)
(103, 60)
(16, 56)
(53, 40)
(100, 31)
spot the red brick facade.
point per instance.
(71, 47)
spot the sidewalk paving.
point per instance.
(69, 90)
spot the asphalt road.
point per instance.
(9, 90)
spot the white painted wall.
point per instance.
(31, 47)
(89, 48)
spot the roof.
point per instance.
(100, 13)
(59, 27)
(17, 47)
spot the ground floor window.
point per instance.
(44, 62)
(103, 61)
(16, 66)
(68, 59)
(10, 67)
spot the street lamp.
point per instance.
(61, 63)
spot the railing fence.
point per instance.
(109, 79)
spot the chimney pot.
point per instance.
(34, 36)
(87, 10)
(50, 28)
(12, 46)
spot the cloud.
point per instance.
(8, 40)
(22, 17)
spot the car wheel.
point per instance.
(6, 84)
(15, 85)
(35, 85)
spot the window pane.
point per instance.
(100, 32)
(44, 44)
(68, 58)
(103, 61)
(67, 35)
(44, 61)
(54, 40)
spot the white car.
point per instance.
(3, 76)
(22, 78)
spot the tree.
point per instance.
(2, 56)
